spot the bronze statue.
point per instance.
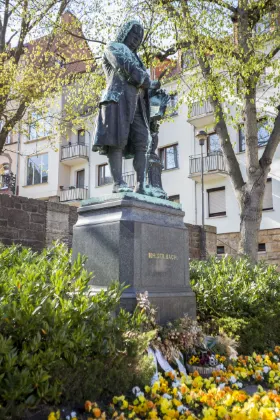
(123, 122)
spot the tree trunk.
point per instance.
(250, 202)
(249, 232)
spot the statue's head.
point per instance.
(131, 34)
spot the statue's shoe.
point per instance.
(121, 188)
(140, 189)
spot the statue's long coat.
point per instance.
(125, 73)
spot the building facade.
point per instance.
(59, 168)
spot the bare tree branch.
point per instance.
(272, 143)
(85, 38)
(222, 3)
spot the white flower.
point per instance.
(276, 358)
(167, 396)
(239, 384)
(221, 386)
(67, 417)
(220, 367)
(179, 395)
(73, 414)
(266, 369)
(135, 390)
(218, 378)
(182, 408)
(233, 379)
(175, 384)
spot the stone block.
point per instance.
(3, 222)
(31, 235)
(38, 218)
(19, 218)
(141, 244)
(9, 233)
(57, 207)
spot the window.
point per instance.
(263, 135)
(261, 248)
(220, 250)
(81, 137)
(104, 175)
(80, 182)
(213, 143)
(172, 105)
(169, 157)
(9, 136)
(37, 169)
(40, 126)
(174, 198)
(267, 198)
(217, 202)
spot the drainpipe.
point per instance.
(17, 163)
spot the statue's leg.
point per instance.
(115, 163)
(139, 137)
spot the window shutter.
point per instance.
(267, 198)
(217, 202)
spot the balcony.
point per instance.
(73, 154)
(73, 194)
(201, 114)
(213, 166)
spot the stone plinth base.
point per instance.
(139, 241)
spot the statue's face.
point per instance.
(134, 38)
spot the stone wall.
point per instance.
(23, 221)
(269, 237)
(195, 240)
(35, 223)
(38, 223)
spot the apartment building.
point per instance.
(50, 166)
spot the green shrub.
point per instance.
(57, 340)
(239, 298)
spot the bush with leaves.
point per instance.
(239, 298)
(58, 341)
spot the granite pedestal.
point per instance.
(142, 242)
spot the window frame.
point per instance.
(45, 131)
(220, 253)
(208, 143)
(41, 172)
(162, 151)
(102, 167)
(78, 136)
(77, 176)
(262, 250)
(241, 150)
(222, 213)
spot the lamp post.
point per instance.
(202, 138)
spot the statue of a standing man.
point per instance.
(122, 127)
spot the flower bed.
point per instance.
(222, 396)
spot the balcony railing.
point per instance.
(74, 150)
(201, 109)
(212, 162)
(129, 178)
(73, 194)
